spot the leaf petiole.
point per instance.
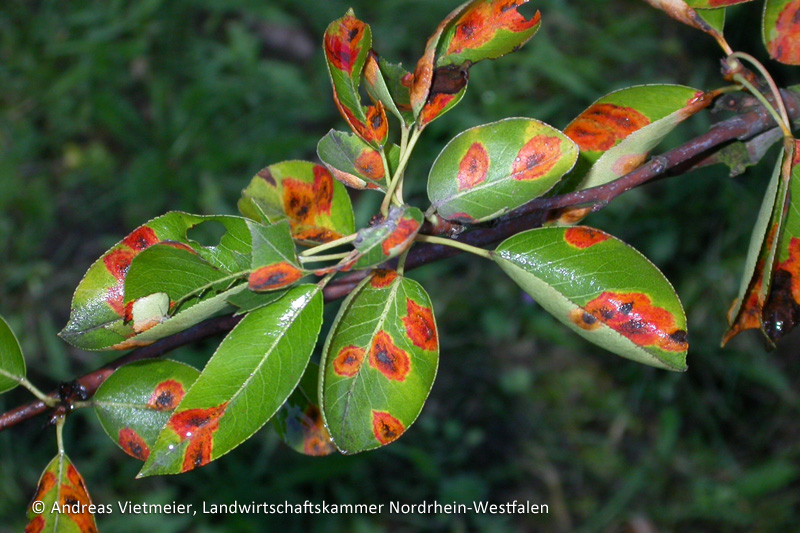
(328, 245)
(430, 239)
(49, 401)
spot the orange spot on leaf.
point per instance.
(420, 326)
(272, 277)
(582, 237)
(474, 167)
(603, 125)
(141, 238)
(299, 200)
(316, 439)
(46, 484)
(584, 320)
(36, 525)
(480, 24)
(133, 444)
(382, 278)
(388, 359)
(536, 158)
(786, 46)
(369, 164)
(401, 237)
(198, 426)
(434, 107)
(342, 43)
(75, 498)
(385, 427)
(166, 396)
(118, 261)
(349, 360)
(323, 189)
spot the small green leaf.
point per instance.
(136, 401)
(354, 162)
(389, 238)
(379, 362)
(254, 370)
(389, 84)
(275, 262)
(489, 170)
(61, 485)
(12, 363)
(780, 30)
(601, 288)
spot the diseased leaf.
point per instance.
(355, 163)
(389, 238)
(299, 420)
(101, 317)
(714, 4)
(61, 485)
(680, 10)
(389, 84)
(136, 401)
(602, 289)
(275, 263)
(254, 370)
(491, 169)
(317, 206)
(12, 362)
(379, 362)
(248, 301)
(781, 30)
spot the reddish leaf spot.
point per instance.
(272, 277)
(36, 525)
(342, 43)
(133, 444)
(266, 175)
(323, 189)
(582, 237)
(77, 499)
(199, 426)
(480, 24)
(372, 71)
(377, 124)
(387, 358)
(46, 484)
(385, 427)
(420, 326)
(348, 362)
(118, 261)
(369, 164)
(537, 158)
(141, 238)
(299, 200)
(584, 320)
(474, 167)
(75, 478)
(603, 125)
(179, 246)
(382, 278)
(316, 439)
(315, 234)
(782, 310)
(401, 237)
(786, 46)
(462, 217)
(635, 317)
(166, 396)
(115, 297)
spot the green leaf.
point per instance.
(275, 263)
(489, 170)
(100, 318)
(136, 401)
(248, 301)
(715, 5)
(317, 206)
(780, 31)
(299, 420)
(714, 17)
(354, 163)
(389, 238)
(681, 11)
(379, 362)
(389, 84)
(254, 370)
(61, 484)
(601, 288)
(12, 363)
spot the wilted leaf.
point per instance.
(379, 362)
(491, 169)
(354, 162)
(254, 370)
(61, 485)
(136, 401)
(12, 363)
(781, 30)
(601, 288)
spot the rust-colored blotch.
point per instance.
(118, 261)
(435, 107)
(634, 316)
(786, 46)
(199, 426)
(377, 124)
(299, 200)
(584, 320)
(141, 238)
(385, 427)
(46, 484)
(342, 43)
(272, 277)
(36, 525)
(382, 278)
(603, 125)
(348, 362)
(133, 444)
(388, 359)
(166, 396)
(536, 158)
(474, 167)
(369, 164)
(582, 237)
(312, 233)
(401, 237)
(316, 439)
(323, 189)
(792, 266)
(480, 24)
(420, 326)
(70, 496)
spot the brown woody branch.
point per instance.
(750, 121)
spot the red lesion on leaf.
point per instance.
(401, 237)
(115, 297)
(70, 496)
(420, 326)
(388, 359)
(36, 525)
(133, 444)
(369, 164)
(348, 362)
(299, 200)
(342, 42)
(601, 126)
(377, 124)
(46, 484)
(634, 316)
(385, 427)
(785, 47)
(266, 175)
(198, 426)
(434, 107)
(382, 278)
(316, 439)
(272, 277)
(315, 234)
(480, 24)
(166, 396)
(536, 158)
(141, 238)
(582, 237)
(782, 309)
(323, 189)
(118, 262)
(473, 168)
(584, 320)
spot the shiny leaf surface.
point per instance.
(354, 162)
(12, 362)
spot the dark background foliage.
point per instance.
(114, 112)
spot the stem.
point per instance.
(60, 433)
(401, 263)
(776, 93)
(430, 239)
(329, 257)
(48, 400)
(398, 175)
(328, 245)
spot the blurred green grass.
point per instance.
(114, 112)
